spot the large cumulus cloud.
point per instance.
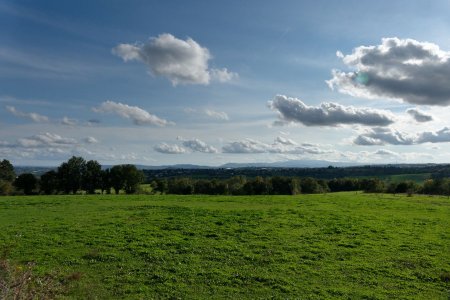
(181, 61)
(327, 114)
(406, 69)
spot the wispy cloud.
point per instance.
(69, 122)
(35, 117)
(280, 146)
(219, 115)
(134, 113)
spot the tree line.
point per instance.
(77, 174)
(279, 185)
(71, 177)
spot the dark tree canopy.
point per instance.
(26, 182)
(92, 178)
(7, 171)
(71, 174)
(49, 182)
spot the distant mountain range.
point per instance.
(282, 164)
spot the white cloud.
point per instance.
(207, 113)
(45, 140)
(419, 116)
(218, 115)
(197, 145)
(222, 75)
(35, 117)
(68, 122)
(383, 136)
(90, 140)
(280, 146)
(406, 69)
(181, 61)
(138, 115)
(245, 146)
(328, 114)
(385, 152)
(169, 149)
(285, 141)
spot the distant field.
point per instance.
(342, 245)
(418, 178)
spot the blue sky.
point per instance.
(209, 82)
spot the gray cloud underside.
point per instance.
(181, 61)
(136, 114)
(383, 136)
(327, 114)
(419, 116)
(406, 69)
(197, 145)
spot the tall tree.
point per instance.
(117, 178)
(92, 177)
(106, 181)
(7, 171)
(7, 176)
(26, 182)
(71, 174)
(132, 178)
(48, 182)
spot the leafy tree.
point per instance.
(132, 178)
(71, 174)
(7, 171)
(160, 185)
(433, 186)
(203, 186)
(92, 177)
(117, 178)
(310, 186)
(6, 187)
(26, 182)
(7, 176)
(257, 186)
(372, 185)
(285, 186)
(48, 182)
(235, 185)
(106, 181)
(181, 186)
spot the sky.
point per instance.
(211, 82)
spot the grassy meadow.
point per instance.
(341, 245)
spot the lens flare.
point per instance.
(362, 78)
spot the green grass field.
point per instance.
(343, 245)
